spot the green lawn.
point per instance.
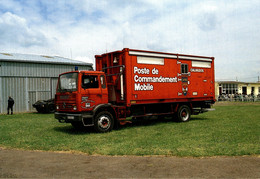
(230, 130)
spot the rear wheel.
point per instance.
(103, 122)
(183, 113)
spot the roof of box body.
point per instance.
(162, 55)
(28, 58)
(168, 55)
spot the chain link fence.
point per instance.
(238, 97)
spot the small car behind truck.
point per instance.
(45, 106)
(134, 84)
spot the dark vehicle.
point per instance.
(45, 106)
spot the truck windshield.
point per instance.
(68, 82)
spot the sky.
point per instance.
(80, 29)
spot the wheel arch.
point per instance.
(189, 104)
(105, 107)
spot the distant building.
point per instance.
(232, 88)
(28, 78)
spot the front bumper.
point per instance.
(67, 117)
(86, 119)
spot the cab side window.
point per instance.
(89, 81)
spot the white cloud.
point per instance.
(16, 32)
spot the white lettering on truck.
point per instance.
(141, 70)
(142, 83)
(196, 70)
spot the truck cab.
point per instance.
(79, 94)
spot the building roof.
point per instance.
(28, 58)
(237, 82)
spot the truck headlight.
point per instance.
(57, 107)
(74, 108)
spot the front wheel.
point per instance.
(183, 113)
(103, 122)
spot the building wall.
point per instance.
(240, 86)
(249, 88)
(28, 82)
(14, 87)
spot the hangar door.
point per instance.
(39, 89)
(37, 95)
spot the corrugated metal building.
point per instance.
(28, 78)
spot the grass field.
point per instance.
(231, 130)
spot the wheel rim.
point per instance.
(184, 115)
(104, 122)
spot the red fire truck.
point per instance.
(129, 84)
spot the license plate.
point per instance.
(70, 117)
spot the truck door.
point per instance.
(91, 93)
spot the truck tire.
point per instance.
(51, 108)
(103, 122)
(183, 113)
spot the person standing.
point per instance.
(10, 104)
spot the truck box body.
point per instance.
(155, 77)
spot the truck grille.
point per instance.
(66, 106)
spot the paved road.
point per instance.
(36, 164)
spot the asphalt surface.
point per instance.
(38, 164)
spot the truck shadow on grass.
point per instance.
(135, 123)
(73, 131)
(156, 121)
